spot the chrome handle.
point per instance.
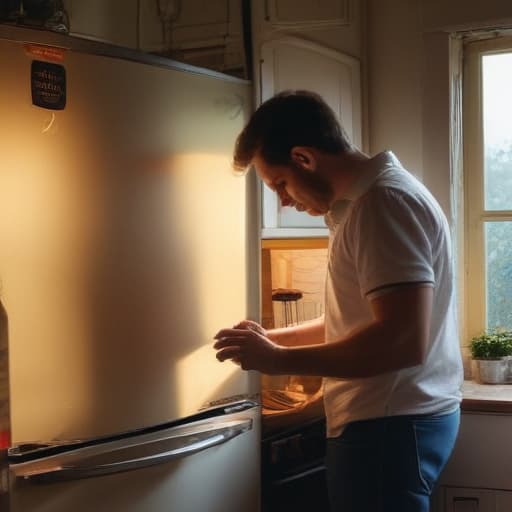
(135, 456)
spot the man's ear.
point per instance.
(305, 157)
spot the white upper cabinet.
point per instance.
(294, 63)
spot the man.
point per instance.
(388, 345)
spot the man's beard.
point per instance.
(320, 190)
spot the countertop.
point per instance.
(476, 397)
(490, 398)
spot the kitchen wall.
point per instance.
(409, 111)
(408, 79)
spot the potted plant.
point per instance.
(492, 351)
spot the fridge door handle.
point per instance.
(136, 456)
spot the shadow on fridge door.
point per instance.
(207, 462)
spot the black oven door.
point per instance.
(293, 469)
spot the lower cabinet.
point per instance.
(503, 501)
(478, 476)
(462, 499)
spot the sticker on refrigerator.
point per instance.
(49, 53)
(48, 85)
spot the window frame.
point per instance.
(475, 215)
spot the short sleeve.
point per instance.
(391, 235)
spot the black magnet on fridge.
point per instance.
(48, 82)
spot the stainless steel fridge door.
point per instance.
(128, 238)
(206, 465)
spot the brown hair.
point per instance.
(288, 119)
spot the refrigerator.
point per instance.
(126, 243)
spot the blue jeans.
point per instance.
(389, 464)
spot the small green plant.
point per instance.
(492, 344)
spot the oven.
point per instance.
(293, 469)
(293, 455)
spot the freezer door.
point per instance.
(211, 464)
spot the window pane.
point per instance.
(498, 257)
(497, 119)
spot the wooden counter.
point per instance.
(491, 398)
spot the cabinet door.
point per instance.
(503, 501)
(469, 500)
(480, 459)
(292, 63)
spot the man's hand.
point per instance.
(251, 326)
(248, 345)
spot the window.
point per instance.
(488, 183)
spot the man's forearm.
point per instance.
(307, 333)
(364, 353)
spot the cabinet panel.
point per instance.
(290, 13)
(292, 63)
(469, 500)
(464, 499)
(503, 501)
(481, 458)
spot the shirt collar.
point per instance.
(368, 175)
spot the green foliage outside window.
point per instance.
(498, 196)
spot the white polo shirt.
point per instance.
(388, 231)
